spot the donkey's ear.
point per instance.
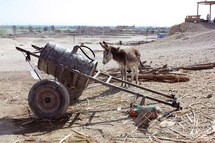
(118, 48)
(105, 43)
(102, 45)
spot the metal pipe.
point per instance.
(197, 8)
(141, 87)
(27, 52)
(210, 11)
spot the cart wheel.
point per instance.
(48, 99)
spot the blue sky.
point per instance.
(98, 12)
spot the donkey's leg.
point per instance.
(136, 72)
(125, 75)
(132, 75)
(122, 76)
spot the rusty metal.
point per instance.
(47, 100)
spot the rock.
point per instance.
(209, 95)
(167, 123)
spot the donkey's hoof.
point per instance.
(125, 86)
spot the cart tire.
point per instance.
(48, 98)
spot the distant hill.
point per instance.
(191, 27)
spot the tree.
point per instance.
(30, 29)
(22, 28)
(53, 28)
(14, 29)
(38, 30)
(45, 29)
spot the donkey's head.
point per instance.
(107, 55)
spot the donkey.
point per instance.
(127, 59)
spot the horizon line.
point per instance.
(76, 25)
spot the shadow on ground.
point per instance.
(108, 92)
(28, 125)
(31, 125)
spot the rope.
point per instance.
(80, 47)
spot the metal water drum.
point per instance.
(53, 55)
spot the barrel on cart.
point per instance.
(50, 98)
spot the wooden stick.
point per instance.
(194, 116)
(175, 140)
(197, 67)
(164, 77)
(158, 77)
(156, 139)
(186, 136)
(77, 132)
(181, 126)
(89, 140)
(62, 140)
(191, 132)
(81, 135)
(189, 118)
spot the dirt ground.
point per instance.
(101, 114)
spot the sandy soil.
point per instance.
(101, 114)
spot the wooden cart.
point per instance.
(50, 98)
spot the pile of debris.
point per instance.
(130, 43)
(164, 73)
(190, 27)
(133, 43)
(178, 28)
